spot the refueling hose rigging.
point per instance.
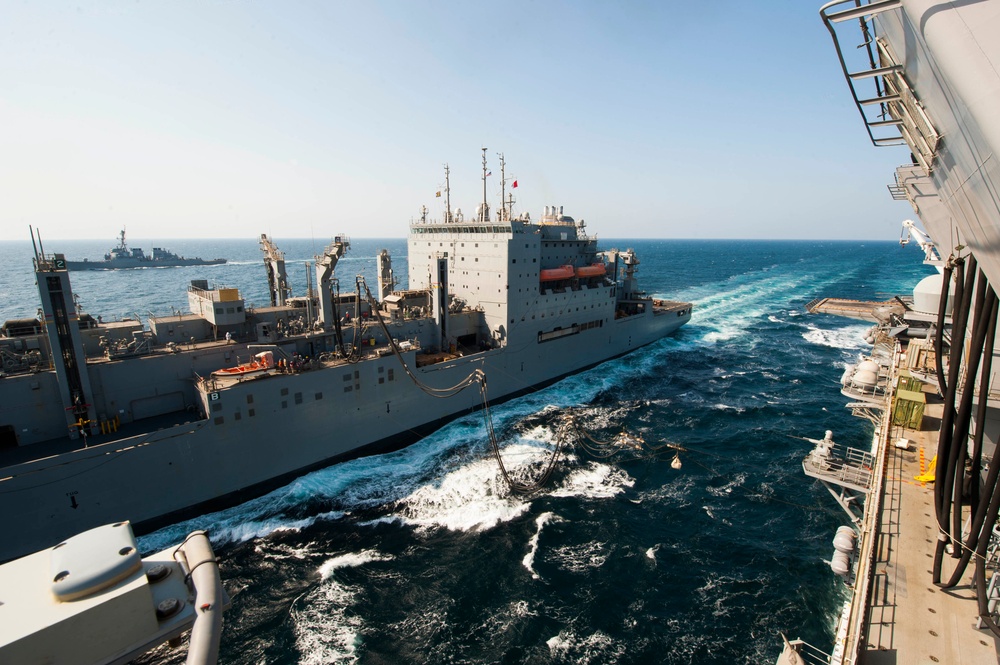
(474, 377)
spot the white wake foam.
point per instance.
(727, 489)
(598, 647)
(325, 631)
(350, 560)
(849, 338)
(529, 559)
(472, 497)
(728, 310)
(594, 481)
(580, 558)
(325, 627)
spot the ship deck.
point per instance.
(863, 310)
(44, 449)
(661, 305)
(911, 620)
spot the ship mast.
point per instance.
(503, 190)
(447, 195)
(484, 213)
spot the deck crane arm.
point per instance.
(910, 230)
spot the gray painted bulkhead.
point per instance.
(234, 441)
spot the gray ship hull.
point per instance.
(109, 421)
(129, 264)
(124, 258)
(264, 432)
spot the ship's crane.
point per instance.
(931, 257)
(277, 280)
(325, 265)
(386, 280)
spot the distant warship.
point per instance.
(122, 257)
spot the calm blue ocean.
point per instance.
(421, 556)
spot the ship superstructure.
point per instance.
(190, 412)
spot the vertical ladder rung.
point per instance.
(864, 10)
(879, 100)
(885, 123)
(878, 71)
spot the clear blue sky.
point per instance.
(229, 119)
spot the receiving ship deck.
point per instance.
(911, 620)
(11, 457)
(896, 614)
(917, 71)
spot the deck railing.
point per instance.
(842, 465)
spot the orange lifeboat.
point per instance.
(260, 363)
(593, 270)
(553, 274)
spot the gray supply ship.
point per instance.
(99, 421)
(921, 554)
(122, 258)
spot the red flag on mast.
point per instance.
(514, 184)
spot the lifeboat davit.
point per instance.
(553, 274)
(593, 270)
(259, 363)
